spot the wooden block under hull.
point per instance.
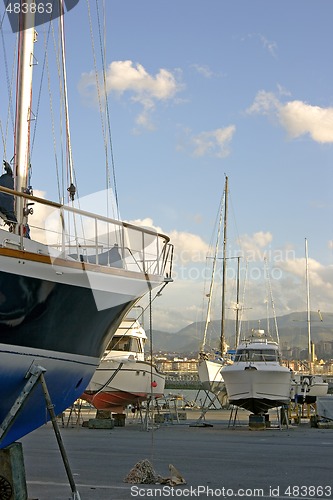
(101, 423)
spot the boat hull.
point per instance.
(116, 385)
(65, 377)
(211, 378)
(258, 387)
(58, 315)
(307, 388)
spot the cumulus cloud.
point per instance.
(296, 117)
(186, 296)
(188, 247)
(299, 118)
(253, 246)
(214, 142)
(145, 89)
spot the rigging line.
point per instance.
(52, 120)
(3, 17)
(97, 79)
(272, 301)
(107, 106)
(99, 97)
(40, 90)
(243, 302)
(72, 176)
(151, 373)
(56, 52)
(212, 276)
(10, 89)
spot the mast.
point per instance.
(224, 268)
(308, 319)
(237, 302)
(23, 108)
(212, 280)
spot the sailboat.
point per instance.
(209, 366)
(124, 377)
(307, 386)
(65, 285)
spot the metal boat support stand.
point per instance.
(201, 420)
(34, 375)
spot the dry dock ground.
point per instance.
(216, 461)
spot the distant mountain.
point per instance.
(292, 332)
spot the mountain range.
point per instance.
(292, 330)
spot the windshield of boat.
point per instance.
(265, 355)
(125, 343)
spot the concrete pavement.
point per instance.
(216, 462)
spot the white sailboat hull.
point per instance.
(210, 375)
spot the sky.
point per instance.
(198, 90)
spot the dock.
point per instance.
(215, 460)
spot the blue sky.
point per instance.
(199, 89)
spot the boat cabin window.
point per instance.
(126, 344)
(120, 344)
(265, 355)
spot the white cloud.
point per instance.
(203, 70)
(214, 142)
(265, 103)
(145, 89)
(185, 297)
(299, 118)
(188, 247)
(296, 117)
(254, 247)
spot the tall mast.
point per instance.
(23, 107)
(237, 302)
(308, 304)
(224, 268)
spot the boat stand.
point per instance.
(201, 420)
(233, 417)
(34, 375)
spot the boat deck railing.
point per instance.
(71, 233)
